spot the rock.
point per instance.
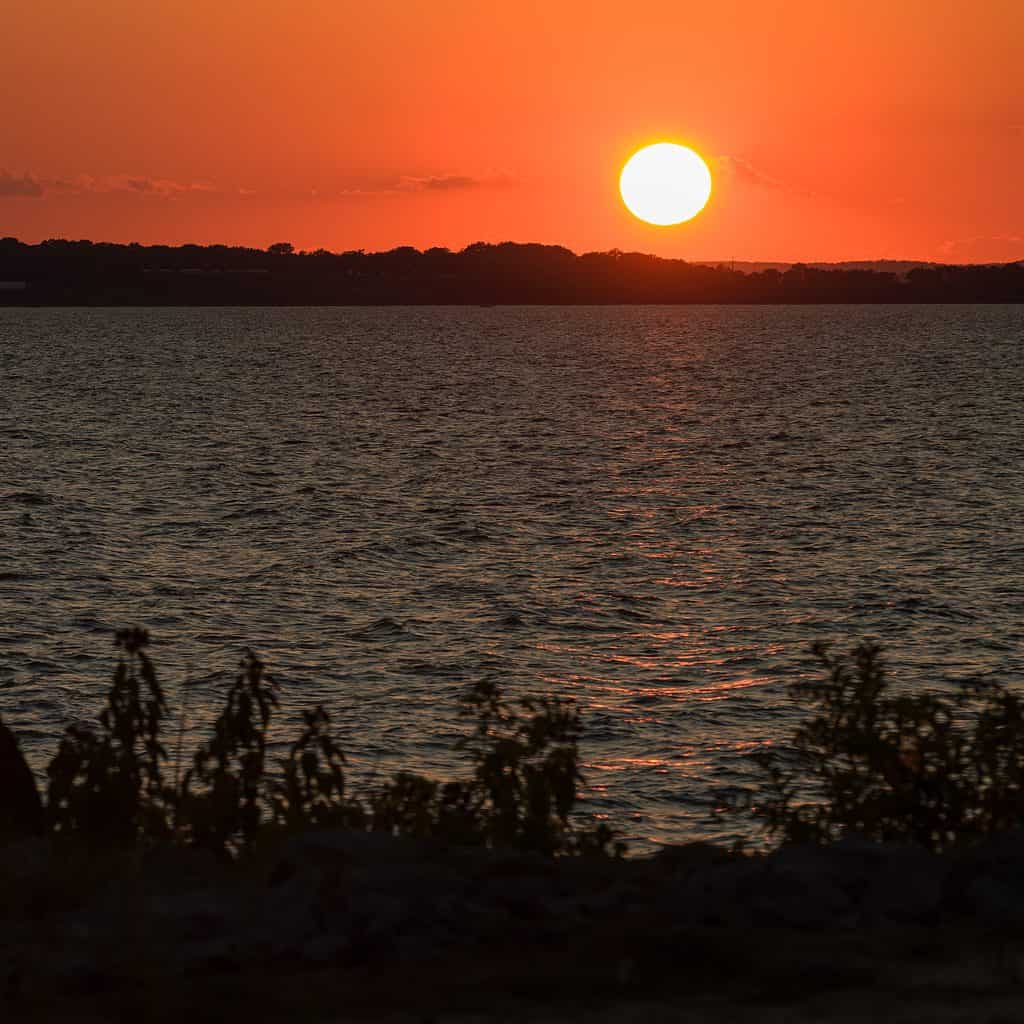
(174, 865)
(218, 956)
(687, 857)
(908, 886)
(285, 917)
(27, 861)
(367, 893)
(716, 896)
(197, 914)
(344, 846)
(985, 880)
(796, 900)
(996, 901)
(21, 810)
(818, 887)
(322, 950)
(83, 976)
(527, 899)
(878, 881)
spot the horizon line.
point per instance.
(731, 261)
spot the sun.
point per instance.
(665, 184)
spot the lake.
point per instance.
(654, 510)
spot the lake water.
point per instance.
(654, 510)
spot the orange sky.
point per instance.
(836, 129)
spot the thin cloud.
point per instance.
(411, 184)
(150, 187)
(984, 248)
(35, 187)
(453, 182)
(25, 187)
(141, 185)
(744, 172)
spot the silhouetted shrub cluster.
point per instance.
(108, 784)
(887, 765)
(924, 768)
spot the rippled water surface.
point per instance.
(654, 510)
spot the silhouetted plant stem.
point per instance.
(179, 746)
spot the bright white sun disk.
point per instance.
(665, 184)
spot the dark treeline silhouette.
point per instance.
(60, 272)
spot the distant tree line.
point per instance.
(62, 272)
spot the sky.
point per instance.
(835, 130)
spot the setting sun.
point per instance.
(665, 184)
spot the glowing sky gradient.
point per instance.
(836, 129)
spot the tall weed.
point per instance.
(107, 783)
(888, 765)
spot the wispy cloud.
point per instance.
(35, 187)
(745, 173)
(1004, 248)
(27, 186)
(140, 185)
(449, 182)
(454, 182)
(149, 187)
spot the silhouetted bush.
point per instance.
(224, 792)
(106, 783)
(312, 791)
(525, 757)
(526, 770)
(930, 769)
(887, 765)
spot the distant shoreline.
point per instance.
(81, 273)
(474, 305)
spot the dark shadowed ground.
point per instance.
(346, 927)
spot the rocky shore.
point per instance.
(342, 925)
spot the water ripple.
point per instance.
(653, 510)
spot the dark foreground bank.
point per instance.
(339, 925)
(134, 892)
